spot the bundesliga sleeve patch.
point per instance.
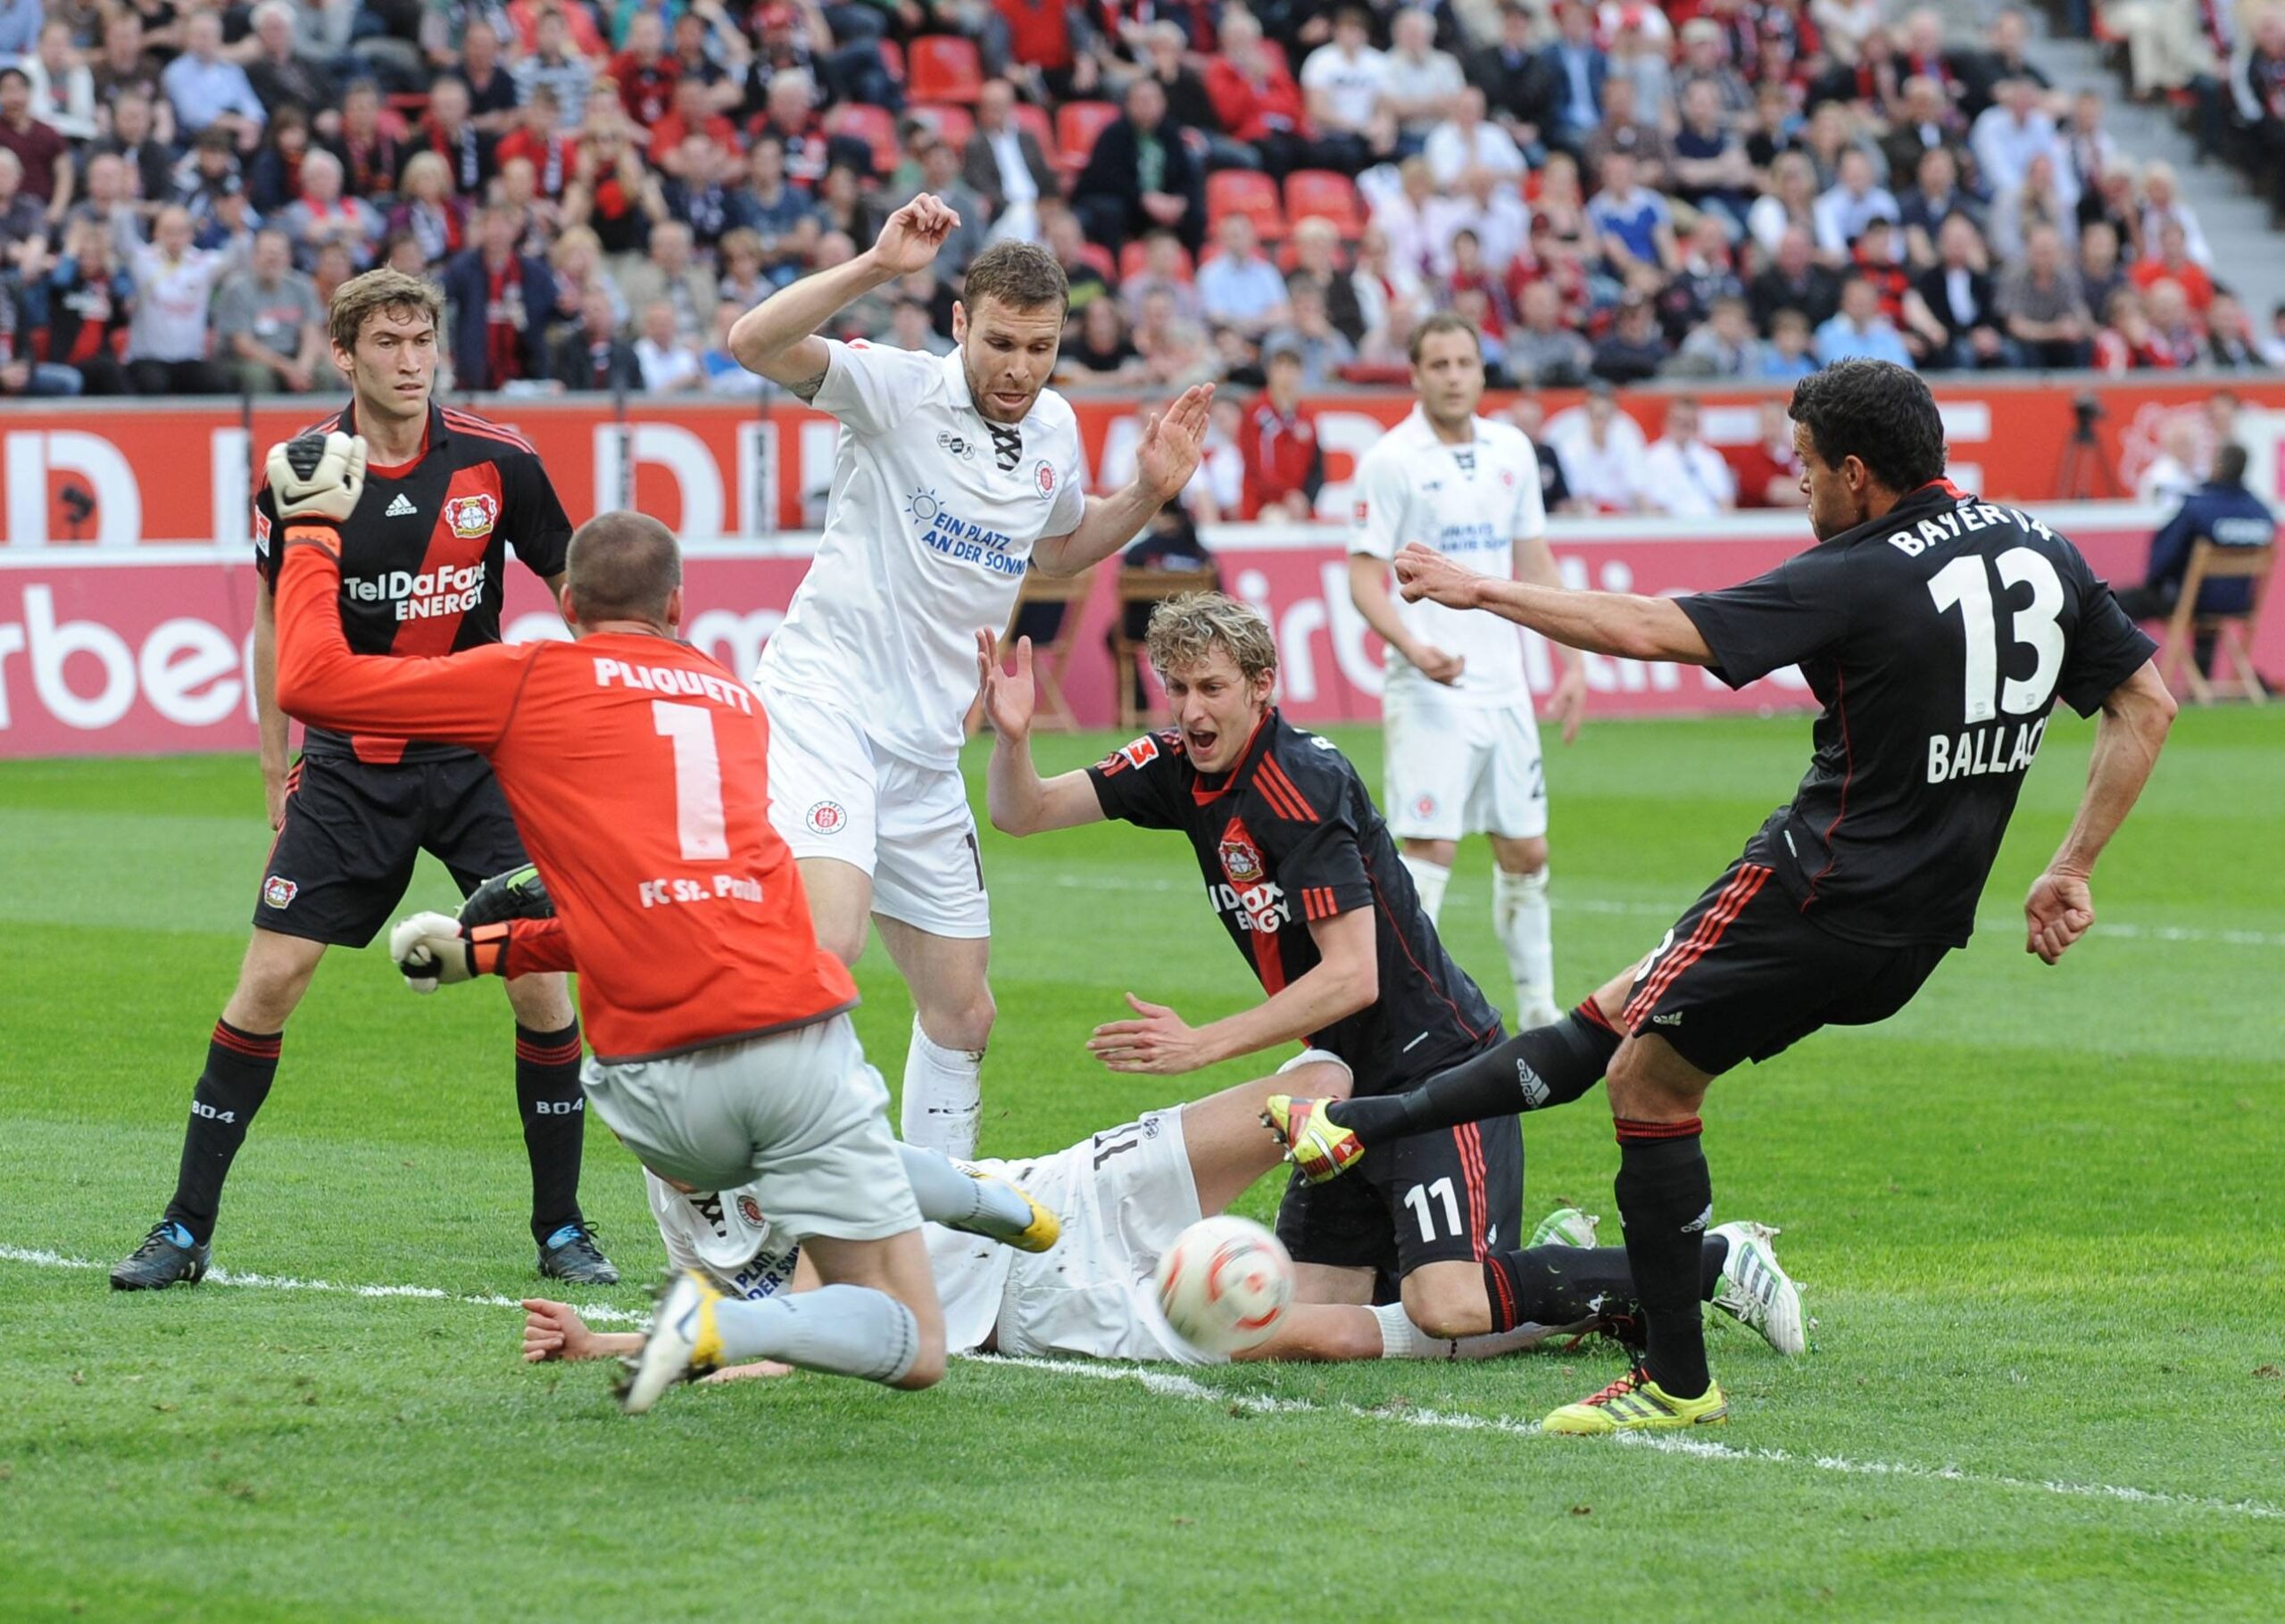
(1139, 753)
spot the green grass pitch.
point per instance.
(2040, 1217)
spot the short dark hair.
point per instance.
(621, 565)
(1022, 276)
(2230, 464)
(1442, 321)
(1878, 412)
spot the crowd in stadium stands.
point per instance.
(1720, 190)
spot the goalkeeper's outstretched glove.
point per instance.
(435, 950)
(519, 894)
(318, 477)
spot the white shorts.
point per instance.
(1123, 1196)
(1457, 770)
(833, 794)
(801, 1116)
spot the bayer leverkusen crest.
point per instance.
(471, 516)
(1241, 861)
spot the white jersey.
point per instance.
(1472, 502)
(933, 513)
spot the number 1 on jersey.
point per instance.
(1962, 584)
(698, 780)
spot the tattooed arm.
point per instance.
(777, 338)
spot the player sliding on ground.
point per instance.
(1301, 872)
(723, 1051)
(1124, 1196)
(1936, 630)
(952, 477)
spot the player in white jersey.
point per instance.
(952, 477)
(1121, 1197)
(1462, 743)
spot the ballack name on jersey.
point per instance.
(2000, 747)
(448, 591)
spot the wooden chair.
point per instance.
(1143, 586)
(1054, 713)
(2233, 634)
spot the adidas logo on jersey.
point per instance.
(399, 508)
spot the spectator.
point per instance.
(1934, 197)
(668, 363)
(169, 334)
(1924, 123)
(1706, 274)
(538, 219)
(1256, 99)
(2100, 275)
(1704, 61)
(611, 190)
(690, 114)
(1490, 211)
(1794, 281)
(2004, 59)
(1423, 82)
(61, 89)
(694, 194)
(2177, 334)
(644, 72)
(1709, 169)
(1082, 274)
(1341, 84)
(274, 178)
(1509, 70)
(1768, 469)
(2162, 205)
(1174, 351)
(332, 269)
(1958, 295)
(592, 355)
(725, 374)
(2171, 263)
(1859, 330)
(1578, 69)
(1635, 349)
(2045, 308)
(1555, 491)
(492, 94)
(369, 156)
(133, 138)
(427, 211)
(940, 174)
(1786, 357)
(2222, 511)
(551, 63)
(1139, 176)
(1790, 204)
(446, 130)
(90, 299)
(1311, 335)
(2230, 346)
(1379, 281)
(1165, 269)
(1682, 474)
(321, 214)
(208, 91)
(1624, 130)
(2128, 341)
(2172, 474)
(2012, 132)
(539, 139)
(1845, 24)
(1005, 166)
(44, 155)
(278, 74)
(577, 261)
(1188, 106)
(744, 279)
(1602, 449)
(229, 227)
(107, 205)
(785, 223)
(1317, 260)
(2017, 210)
(208, 172)
(1101, 352)
(1855, 201)
(1633, 225)
(1284, 464)
(672, 275)
(268, 326)
(1466, 141)
(1722, 347)
(20, 373)
(1238, 285)
(125, 67)
(1543, 352)
(499, 304)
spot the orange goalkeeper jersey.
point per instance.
(636, 768)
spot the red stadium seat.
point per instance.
(892, 58)
(1076, 126)
(1328, 193)
(1034, 119)
(1245, 192)
(1134, 259)
(951, 121)
(1099, 256)
(944, 68)
(876, 126)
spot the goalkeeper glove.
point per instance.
(435, 950)
(318, 477)
(519, 894)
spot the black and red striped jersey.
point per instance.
(424, 557)
(1289, 836)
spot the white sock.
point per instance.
(845, 1330)
(1400, 1339)
(942, 1096)
(1429, 879)
(1519, 917)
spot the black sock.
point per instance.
(1571, 1285)
(555, 1123)
(1549, 1066)
(1666, 1199)
(239, 1068)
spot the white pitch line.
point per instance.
(1166, 1384)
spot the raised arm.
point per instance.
(1021, 802)
(1622, 624)
(1164, 460)
(777, 338)
(2132, 730)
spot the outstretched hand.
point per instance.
(2060, 910)
(1423, 572)
(1161, 1044)
(1008, 700)
(1172, 443)
(910, 237)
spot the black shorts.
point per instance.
(1743, 975)
(354, 829)
(1455, 1195)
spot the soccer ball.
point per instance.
(1225, 1283)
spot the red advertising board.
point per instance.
(108, 651)
(93, 473)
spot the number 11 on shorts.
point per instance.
(1419, 1197)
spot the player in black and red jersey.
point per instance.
(1302, 874)
(424, 570)
(1936, 630)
